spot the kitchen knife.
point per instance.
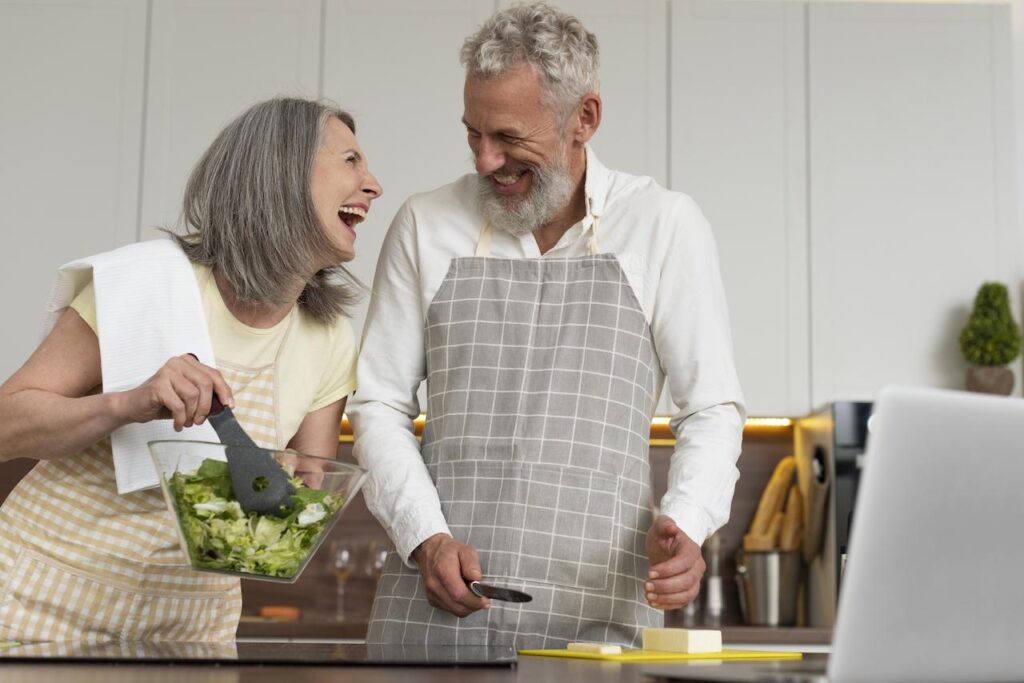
(484, 590)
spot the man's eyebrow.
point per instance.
(503, 132)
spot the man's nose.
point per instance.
(489, 157)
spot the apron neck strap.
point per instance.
(483, 245)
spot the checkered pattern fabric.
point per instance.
(78, 562)
(541, 379)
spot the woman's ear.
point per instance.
(588, 118)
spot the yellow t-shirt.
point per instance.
(315, 363)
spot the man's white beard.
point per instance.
(550, 192)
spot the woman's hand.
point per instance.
(181, 390)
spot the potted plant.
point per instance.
(990, 341)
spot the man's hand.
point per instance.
(446, 565)
(676, 566)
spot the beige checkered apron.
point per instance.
(541, 380)
(80, 562)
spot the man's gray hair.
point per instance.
(249, 214)
(556, 44)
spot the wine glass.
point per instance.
(343, 562)
(376, 556)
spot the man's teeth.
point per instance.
(508, 178)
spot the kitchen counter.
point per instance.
(528, 669)
(252, 627)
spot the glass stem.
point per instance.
(339, 611)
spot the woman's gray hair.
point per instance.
(556, 44)
(249, 213)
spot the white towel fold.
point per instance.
(148, 309)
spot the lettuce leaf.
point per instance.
(220, 535)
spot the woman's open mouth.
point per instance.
(352, 216)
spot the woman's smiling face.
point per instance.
(342, 186)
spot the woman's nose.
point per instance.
(371, 187)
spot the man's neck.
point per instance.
(547, 236)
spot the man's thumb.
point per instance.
(664, 527)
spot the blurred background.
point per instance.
(856, 159)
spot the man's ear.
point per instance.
(587, 118)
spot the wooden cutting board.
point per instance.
(656, 656)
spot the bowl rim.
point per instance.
(290, 451)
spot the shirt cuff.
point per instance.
(412, 529)
(689, 517)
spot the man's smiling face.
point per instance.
(520, 149)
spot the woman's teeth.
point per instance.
(351, 215)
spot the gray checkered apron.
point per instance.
(541, 380)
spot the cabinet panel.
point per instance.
(911, 193)
(395, 65)
(70, 131)
(209, 60)
(737, 130)
(632, 39)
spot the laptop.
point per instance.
(933, 588)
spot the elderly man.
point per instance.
(544, 299)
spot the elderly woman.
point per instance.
(271, 211)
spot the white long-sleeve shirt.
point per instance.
(667, 252)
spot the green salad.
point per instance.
(221, 536)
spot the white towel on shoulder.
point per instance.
(148, 309)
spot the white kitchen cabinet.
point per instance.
(209, 60)
(632, 40)
(395, 65)
(911, 193)
(738, 147)
(855, 162)
(70, 134)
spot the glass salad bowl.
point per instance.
(218, 536)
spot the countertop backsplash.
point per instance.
(315, 592)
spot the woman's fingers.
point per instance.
(217, 384)
(173, 404)
(189, 394)
(207, 381)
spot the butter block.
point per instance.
(684, 640)
(595, 648)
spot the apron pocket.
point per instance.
(549, 524)
(46, 600)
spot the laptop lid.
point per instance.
(933, 587)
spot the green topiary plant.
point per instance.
(991, 337)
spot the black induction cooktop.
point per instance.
(261, 654)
